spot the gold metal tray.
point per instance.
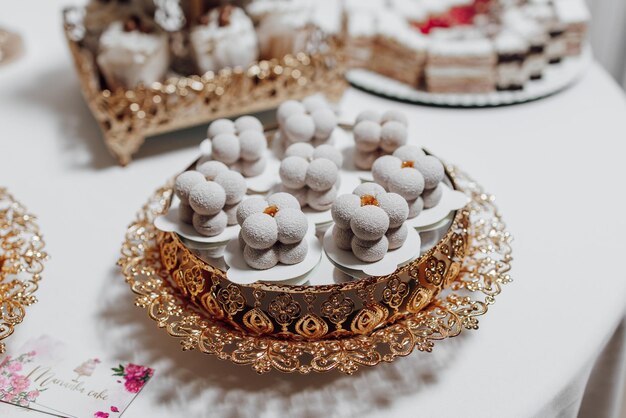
(21, 263)
(127, 117)
(484, 269)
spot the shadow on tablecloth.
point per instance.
(199, 384)
(80, 141)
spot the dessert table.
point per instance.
(556, 167)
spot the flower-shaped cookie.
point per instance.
(311, 174)
(209, 201)
(311, 120)
(369, 222)
(272, 231)
(241, 144)
(376, 135)
(413, 175)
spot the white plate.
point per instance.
(555, 78)
(451, 200)
(239, 272)
(170, 222)
(437, 225)
(347, 261)
(257, 184)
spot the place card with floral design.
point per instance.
(47, 375)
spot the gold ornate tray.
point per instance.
(127, 117)
(478, 280)
(21, 263)
(349, 309)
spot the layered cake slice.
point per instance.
(536, 36)
(543, 13)
(512, 50)
(574, 16)
(360, 39)
(385, 43)
(461, 66)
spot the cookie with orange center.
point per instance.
(272, 231)
(369, 222)
(413, 175)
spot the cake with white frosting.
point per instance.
(224, 38)
(574, 15)
(464, 46)
(512, 50)
(292, 26)
(461, 66)
(143, 41)
(133, 52)
(384, 42)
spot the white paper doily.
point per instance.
(170, 222)
(555, 78)
(347, 261)
(451, 200)
(239, 272)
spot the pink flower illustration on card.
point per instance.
(135, 376)
(19, 383)
(133, 386)
(32, 395)
(101, 414)
(14, 385)
(14, 367)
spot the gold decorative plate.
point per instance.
(484, 271)
(21, 263)
(127, 117)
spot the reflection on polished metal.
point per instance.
(336, 327)
(11, 46)
(21, 263)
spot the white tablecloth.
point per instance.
(555, 165)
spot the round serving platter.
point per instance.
(556, 77)
(22, 258)
(213, 325)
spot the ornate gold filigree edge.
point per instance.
(21, 263)
(484, 272)
(127, 116)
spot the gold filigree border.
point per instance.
(480, 280)
(127, 117)
(21, 263)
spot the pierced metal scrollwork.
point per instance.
(22, 258)
(474, 283)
